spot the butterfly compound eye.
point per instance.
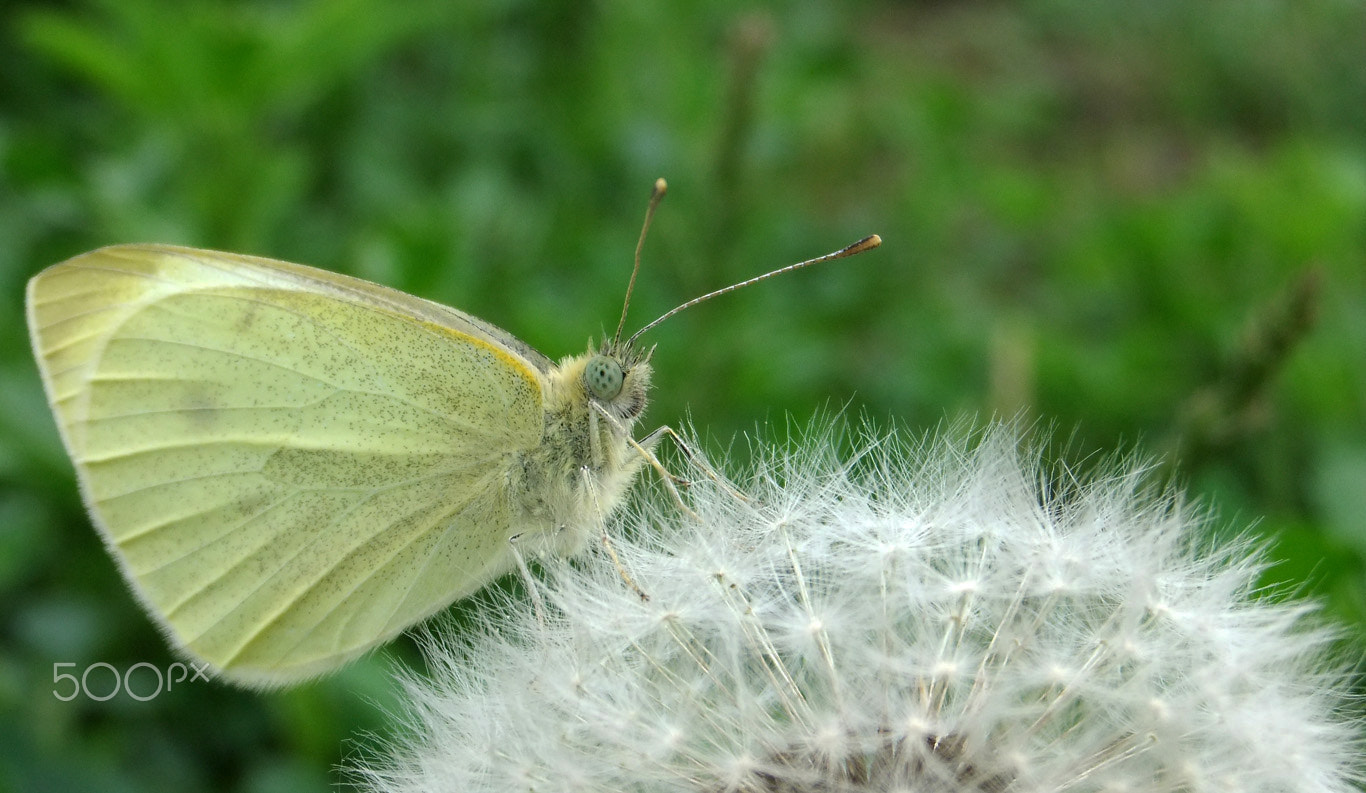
(603, 377)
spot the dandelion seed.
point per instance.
(927, 619)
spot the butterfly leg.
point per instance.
(647, 453)
(525, 571)
(649, 442)
(607, 543)
(664, 475)
(621, 569)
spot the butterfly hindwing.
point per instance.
(290, 469)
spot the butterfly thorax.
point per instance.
(576, 477)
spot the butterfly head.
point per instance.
(617, 377)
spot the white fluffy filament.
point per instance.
(916, 617)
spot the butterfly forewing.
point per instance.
(291, 465)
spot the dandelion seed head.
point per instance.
(919, 617)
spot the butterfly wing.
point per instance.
(291, 466)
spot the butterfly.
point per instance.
(292, 466)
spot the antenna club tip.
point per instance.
(661, 187)
(866, 244)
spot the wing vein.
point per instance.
(333, 489)
(377, 568)
(305, 590)
(281, 566)
(397, 397)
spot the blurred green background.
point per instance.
(1142, 223)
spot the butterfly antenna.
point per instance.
(656, 195)
(865, 244)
